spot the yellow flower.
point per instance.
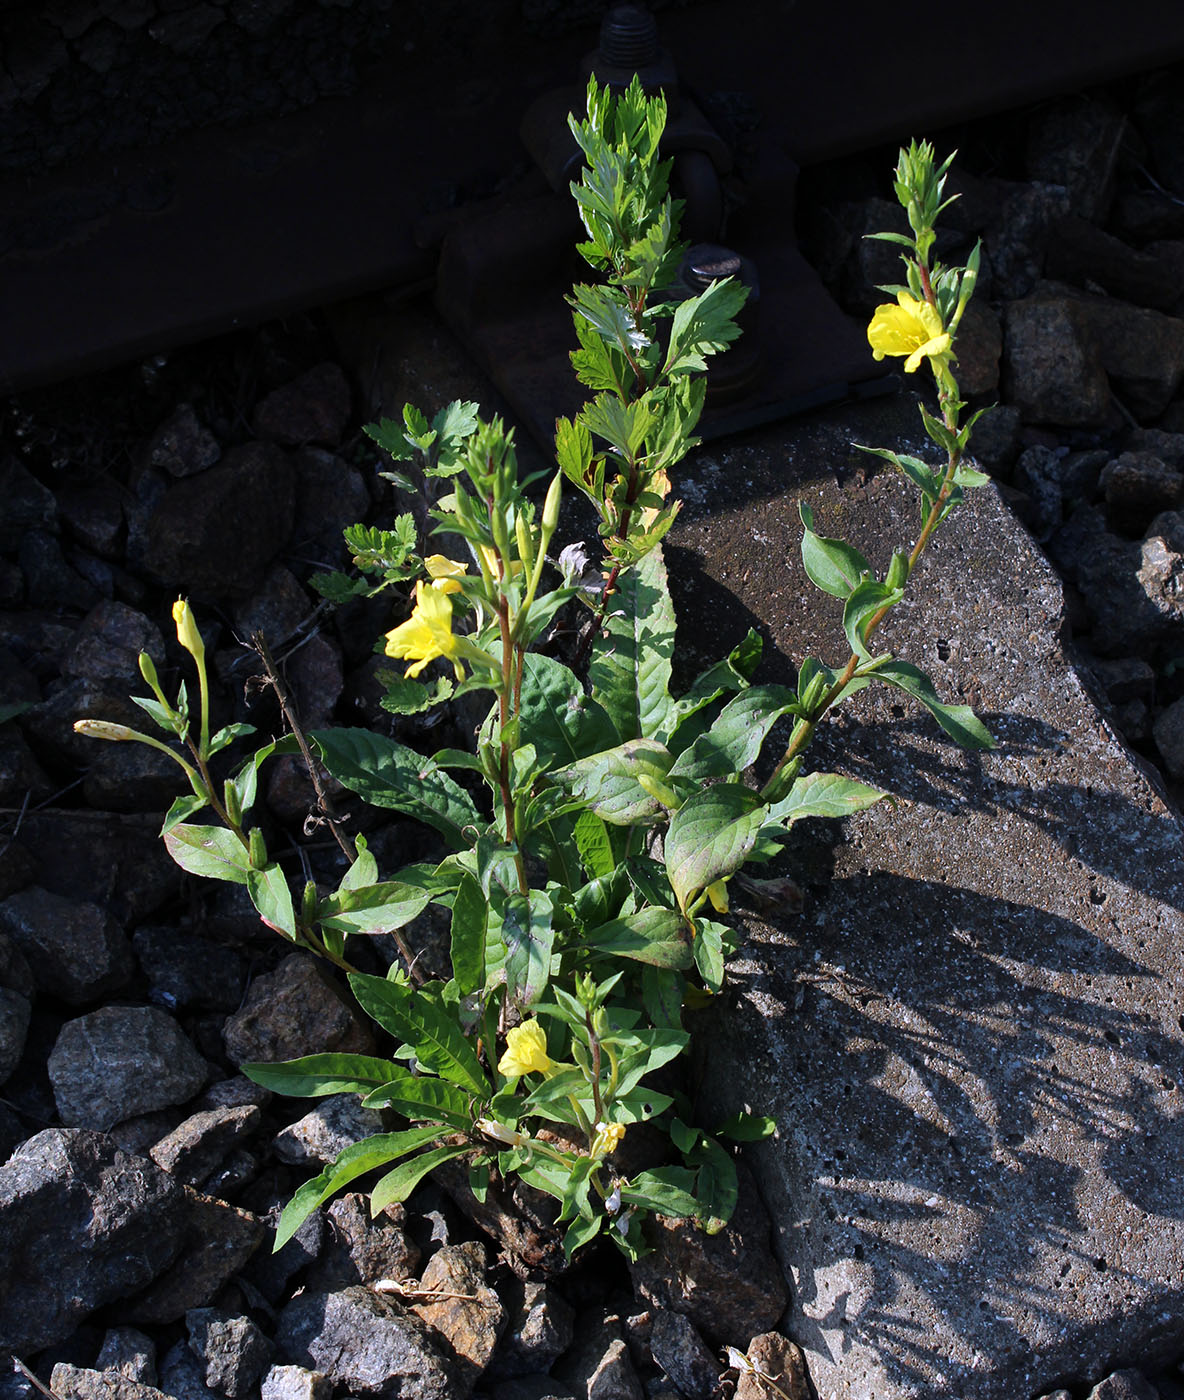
(911, 328)
(187, 633)
(444, 572)
(526, 1051)
(718, 894)
(427, 633)
(607, 1140)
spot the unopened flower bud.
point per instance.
(551, 505)
(104, 729)
(187, 633)
(256, 849)
(499, 1132)
(148, 670)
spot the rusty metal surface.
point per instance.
(117, 257)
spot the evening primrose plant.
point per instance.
(588, 838)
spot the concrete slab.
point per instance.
(973, 1039)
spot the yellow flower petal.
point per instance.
(607, 1140)
(427, 633)
(911, 328)
(444, 573)
(526, 1051)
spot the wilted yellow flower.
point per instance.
(608, 1139)
(187, 633)
(444, 572)
(718, 894)
(526, 1051)
(911, 328)
(427, 633)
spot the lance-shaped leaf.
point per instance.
(372, 908)
(655, 936)
(709, 953)
(419, 1019)
(735, 739)
(271, 896)
(209, 851)
(959, 721)
(609, 782)
(562, 722)
(630, 666)
(823, 795)
(421, 1097)
(355, 1161)
(711, 836)
(391, 775)
(529, 936)
(469, 916)
(716, 1187)
(397, 1185)
(832, 565)
(866, 601)
(311, 1076)
(669, 1190)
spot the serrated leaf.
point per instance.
(710, 836)
(403, 696)
(959, 721)
(210, 851)
(387, 774)
(418, 1018)
(629, 670)
(336, 587)
(704, 325)
(312, 1076)
(832, 565)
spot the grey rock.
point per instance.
(1138, 486)
(234, 1093)
(185, 971)
(295, 1010)
(108, 644)
(23, 781)
(76, 950)
(1052, 365)
(94, 517)
(276, 610)
(1075, 142)
(681, 1353)
(312, 409)
(120, 1061)
(1161, 575)
(1124, 678)
(1167, 446)
(1124, 1385)
(540, 1329)
(197, 1146)
(273, 1271)
(1038, 475)
(533, 1387)
(1017, 238)
(182, 1376)
(130, 1352)
(1168, 730)
(1084, 254)
(363, 1342)
(78, 1383)
(782, 1361)
(472, 1319)
(337, 1122)
(83, 1224)
(15, 972)
(215, 534)
(330, 494)
(978, 971)
(14, 1027)
(218, 1242)
(997, 437)
(184, 31)
(597, 1365)
(1142, 351)
(295, 1383)
(12, 1133)
(234, 1352)
(980, 347)
(182, 445)
(227, 1180)
(359, 1249)
(28, 505)
(50, 582)
(728, 1283)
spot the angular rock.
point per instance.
(182, 1376)
(1168, 730)
(540, 1329)
(1082, 253)
(781, 1360)
(183, 446)
(330, 494)
(1142, 352)
(50, 582)
(336, 1123)
(218, 1241)
(108, 644)
(295, 1010)
(216, 533)
(729, 1283)
(28, 505)
(185, 971)
(295, 1383)
(980, 345)
(1052, 365)
(975, 972)
(1038, 476)
(83, 1224)
(94, 516)
(1124, 1385)
(195, 1148)
(272, 1272)
(277, 609)
(130, 1352)
(597, 1365)
(76, 950)
(1124, 678)
(233, 1351)
(311, 409)
(23, 781)
(681, 1353)
(1076, 142)
(1137, 486)
(120, 1061)
(359, 1249)
(533, 1387)
(362, 1341)
(14, 1027)
(78, 1383)
(471, 1323)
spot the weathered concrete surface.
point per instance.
(972, 1039)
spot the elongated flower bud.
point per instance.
(551, 505)
(148, 670)
(187, 633)
(104, 729)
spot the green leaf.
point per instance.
(420, 1097)
(397, 1185)
(967, 476)
(864, 602)
(419, 1019)
(403, 696)
(388, 774)
(709, 953)
(704, 325)
(312, 1076)
(747, 1127)
(655, 936)
(185, 807)
(662, 994)
(372, 908)
(593, 843)
(959, 721)
(629, 670)
(469, 917)
(529, 936)
(356, 1160)
(364, 870)
(716, 1188)
(921, 474)
(573, 449)
(735, 738)
(610, 782)
(582, 1230)
(823, 795)
(209, 851)
(562, 722)
(160, 714)
(228, 734)
(832, 565)
(710, 836)
(669, 1190)
(271, 896)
